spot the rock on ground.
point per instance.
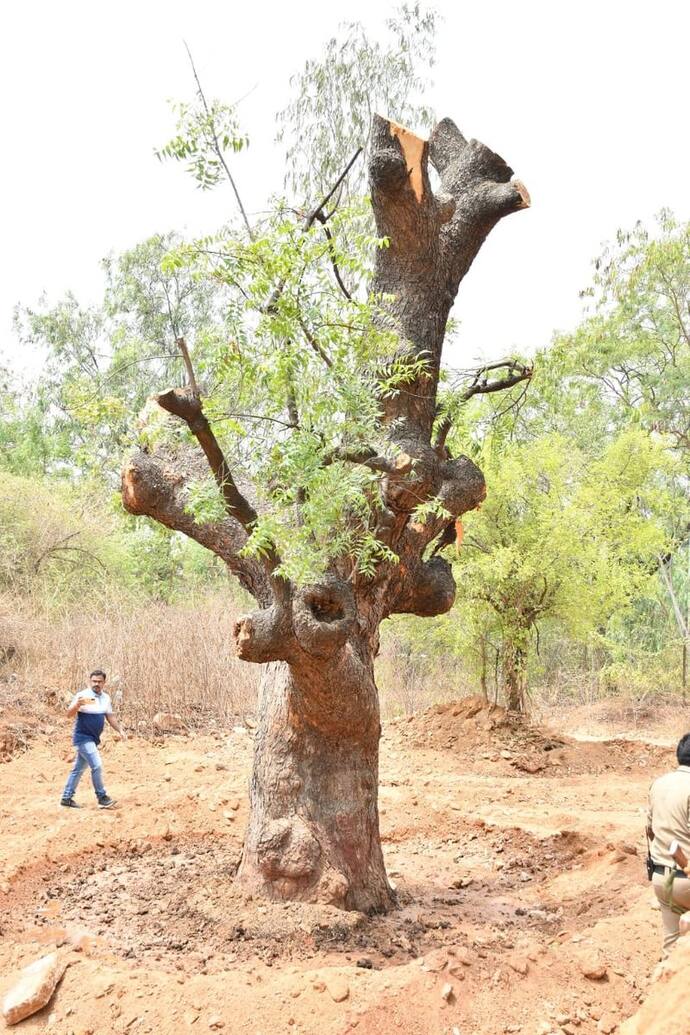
(337, 986)
(36, 984)
(593, 967)
(166, 722)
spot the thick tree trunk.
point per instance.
(314, 830)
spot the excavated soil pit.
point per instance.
(175, 902)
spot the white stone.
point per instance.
(337, 986)
(36, 985)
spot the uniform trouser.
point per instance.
(87, 756)
(680, 899)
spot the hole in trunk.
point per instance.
(326, 609)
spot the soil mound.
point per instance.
(666, 1009)
(475, 729)
(471, 722)
(174, 902)
(25, 713)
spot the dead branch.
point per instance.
(187, 407)
(182, 346)
(482, 384)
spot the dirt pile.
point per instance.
(174, 901)
(483, 733)
(468, 722)
(666, 1010)
(26, 712)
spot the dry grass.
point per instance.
(410, 681)
(178, 659)
(181, 659)
(158, 658)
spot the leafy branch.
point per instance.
(205, 131)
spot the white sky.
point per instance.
(587, 101)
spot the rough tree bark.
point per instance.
(514, 675)
(313, 831)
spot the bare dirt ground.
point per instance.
(518, 857)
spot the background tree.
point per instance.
(26, 445)
(101, 362)
(563, 537)
(630, 361)
(57, 545)
(337, 95)
(633, 349)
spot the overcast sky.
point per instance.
(587, 101)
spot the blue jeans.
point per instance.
(87, 755)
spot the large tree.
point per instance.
(313, 830)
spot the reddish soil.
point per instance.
(517, 855)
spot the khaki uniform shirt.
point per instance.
(669, 814)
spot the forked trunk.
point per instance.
(314, 828)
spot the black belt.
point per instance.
(676, 873)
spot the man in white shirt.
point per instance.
(91, 707)
(669, 820)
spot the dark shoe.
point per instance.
(104, 802)
(69, 803)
